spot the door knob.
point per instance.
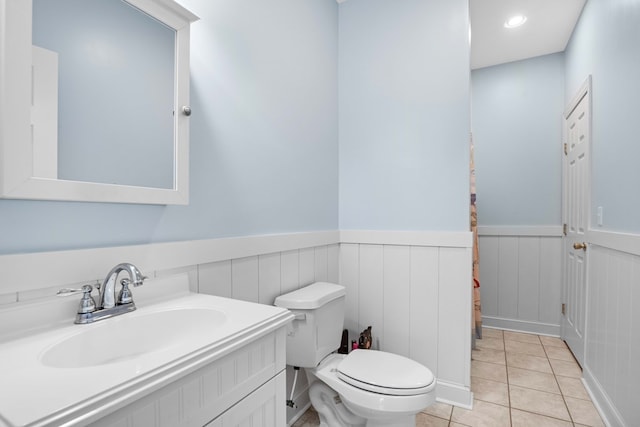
(582, 246)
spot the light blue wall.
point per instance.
(404, 114)
(264, 132)
(606, 44)
(264, 138)
(517, 130)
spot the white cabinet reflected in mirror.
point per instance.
(93, 100)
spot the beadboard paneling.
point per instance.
(520, 281)
(371, 297)
(454, 308)
(350, 279)
(321, 255)
(244, 279)
(396, 284)
(612, 351)
(268, 278)
(306, 269)
(418, 300)
(34, 271)
(550, 271)
(423, 308)
(215, 278)
(262, 278)
(289, 267)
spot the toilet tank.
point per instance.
(316, 330)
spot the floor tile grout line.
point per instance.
(506, 368)
(555, 377)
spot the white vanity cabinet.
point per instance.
(244, 387)
(182, 360)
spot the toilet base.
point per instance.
(330, 408)
(333, 412)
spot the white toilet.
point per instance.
(363, 388)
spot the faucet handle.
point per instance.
(125, 297)
(65, 292)
(87, 303)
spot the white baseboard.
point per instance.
(454, 394)
(521, 326)
(608, 412)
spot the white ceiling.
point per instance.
(547, 30)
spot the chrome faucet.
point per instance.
(108, 288)
(108, 304)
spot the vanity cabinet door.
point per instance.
(264, 407)
(251, 378)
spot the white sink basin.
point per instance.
(129, 336)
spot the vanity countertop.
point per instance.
(37, 391)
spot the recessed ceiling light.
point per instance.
(515, 21)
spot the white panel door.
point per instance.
(576, 218)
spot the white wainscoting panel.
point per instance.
(268, 278)
(289, 271)
(307, 259)
(520, 280)
(454, 290)
(396, 282)
(423, 308)
(35, 271)
(417, 298)
(371, 296)
(215, 278)
(244, 279)
(262, 278)
(321, 255)
(612, 371)
(349, 278)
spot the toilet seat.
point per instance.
(385, 373)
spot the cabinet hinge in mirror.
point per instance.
(566, 149)
(564, 229)
(564, 307)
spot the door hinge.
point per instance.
(564, 229)
(564, 308)
(566, 149)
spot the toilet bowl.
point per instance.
(390, 396)
(364, 388)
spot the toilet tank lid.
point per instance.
(313, 296)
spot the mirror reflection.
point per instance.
(113, 97)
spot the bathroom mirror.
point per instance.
(95, 97)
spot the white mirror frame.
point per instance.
(16, 151)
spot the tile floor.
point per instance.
(518, 380)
